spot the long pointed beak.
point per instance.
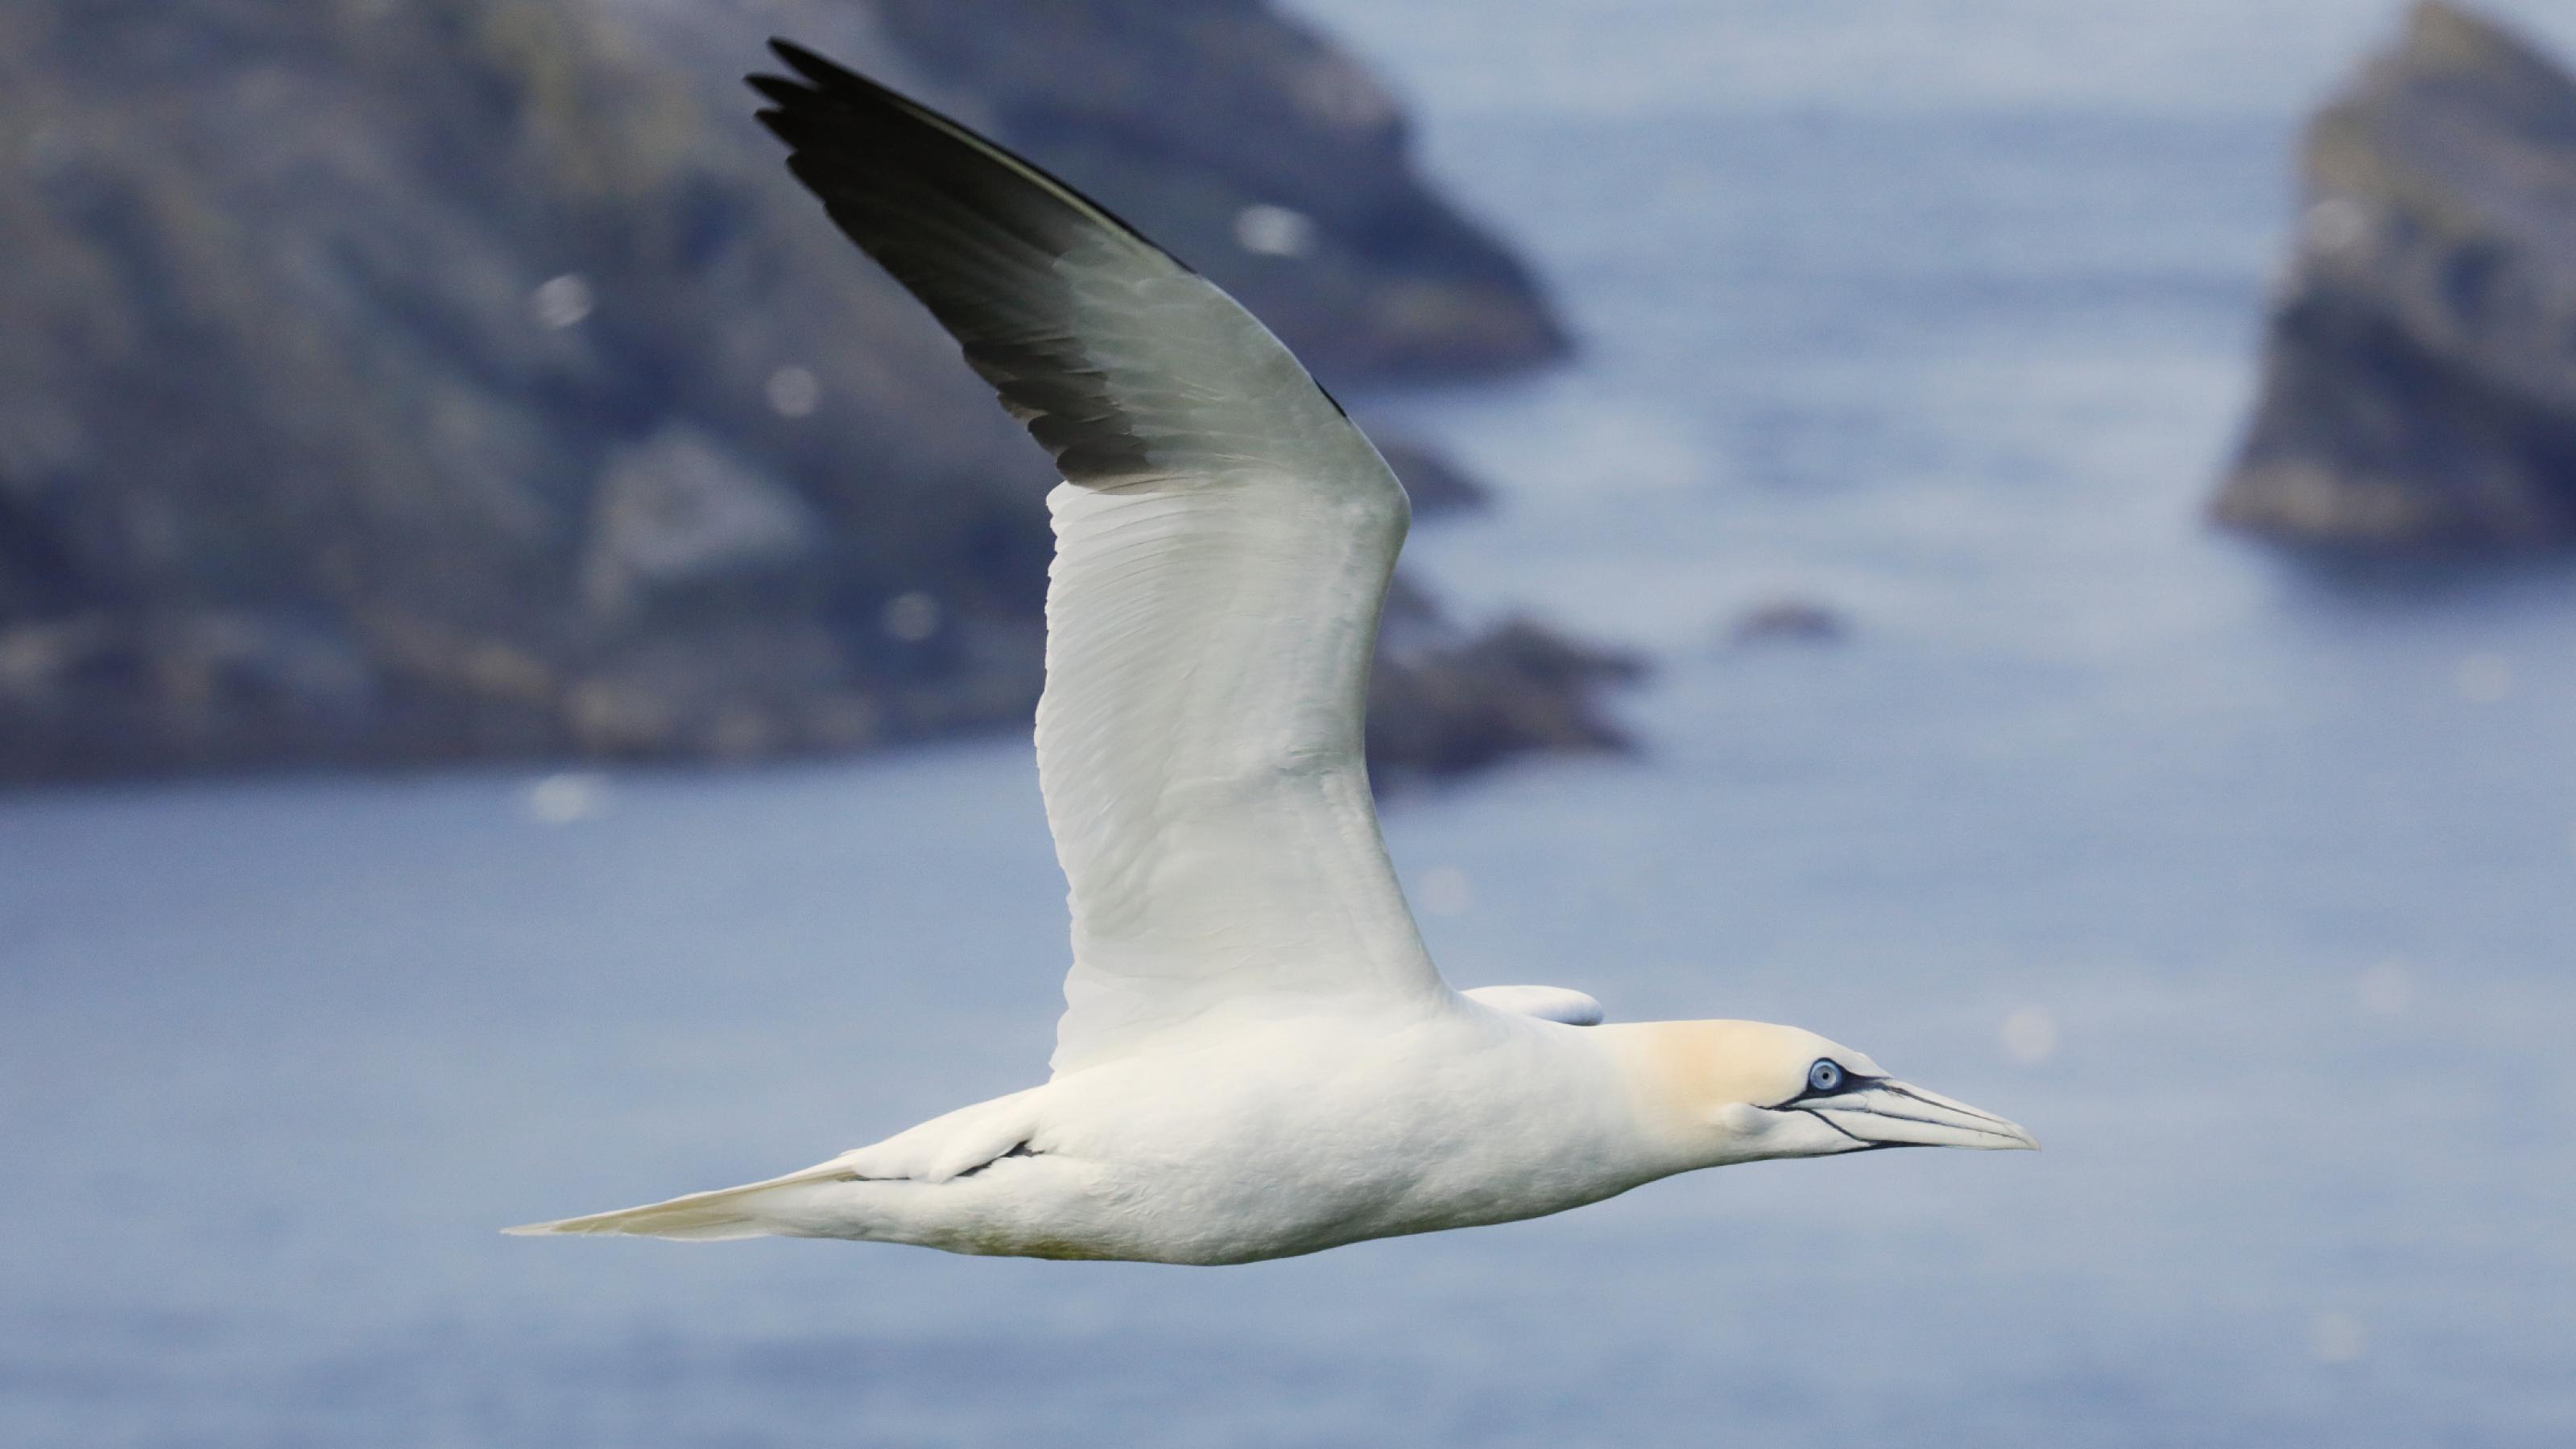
(1892, 1114)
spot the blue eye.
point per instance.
(1825, 1076)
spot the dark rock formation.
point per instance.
(2419, 389)
(1245, 143)
(1237, 138)
(401, 381)
(1788, 621)
(1444, 702)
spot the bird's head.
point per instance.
(1741, 1091)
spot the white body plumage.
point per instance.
(1257, 1056)
(1263, 1142)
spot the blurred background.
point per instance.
(2031, 538)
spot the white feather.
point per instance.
(1547, 1003)
(1210, 625)
(1257, 1057)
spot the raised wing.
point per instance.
(1224, 537)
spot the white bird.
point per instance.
(1257, 1057)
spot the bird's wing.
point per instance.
(1547, 1003)
(1224, 537)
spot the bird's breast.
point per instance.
(1293, 1140)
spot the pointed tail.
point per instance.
(701, 1217)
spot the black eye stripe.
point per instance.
(1843, 1080)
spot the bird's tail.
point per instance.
(703, 1217)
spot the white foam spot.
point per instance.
(1274, 231)
(910, 617)
(562, 799)
(2030, 1035)
(561, 302)
(793, 391)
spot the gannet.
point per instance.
(1257, 1057)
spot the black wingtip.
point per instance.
(819, 79)
(815, 68)
(832, 95)
(797, 59)
(778, 90)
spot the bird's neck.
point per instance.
(1681, 1075)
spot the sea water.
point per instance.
(2248, 884)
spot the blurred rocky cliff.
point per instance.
(394, 380)
(2419, 387)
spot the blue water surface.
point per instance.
(2249, 884)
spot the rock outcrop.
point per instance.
(463, 378)
(1789, 621)
(1445, 701)
(2419, 388)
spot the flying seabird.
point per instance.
(1257, 1057)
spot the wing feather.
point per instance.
(1224, 538)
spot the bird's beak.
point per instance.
(1887, 1113)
